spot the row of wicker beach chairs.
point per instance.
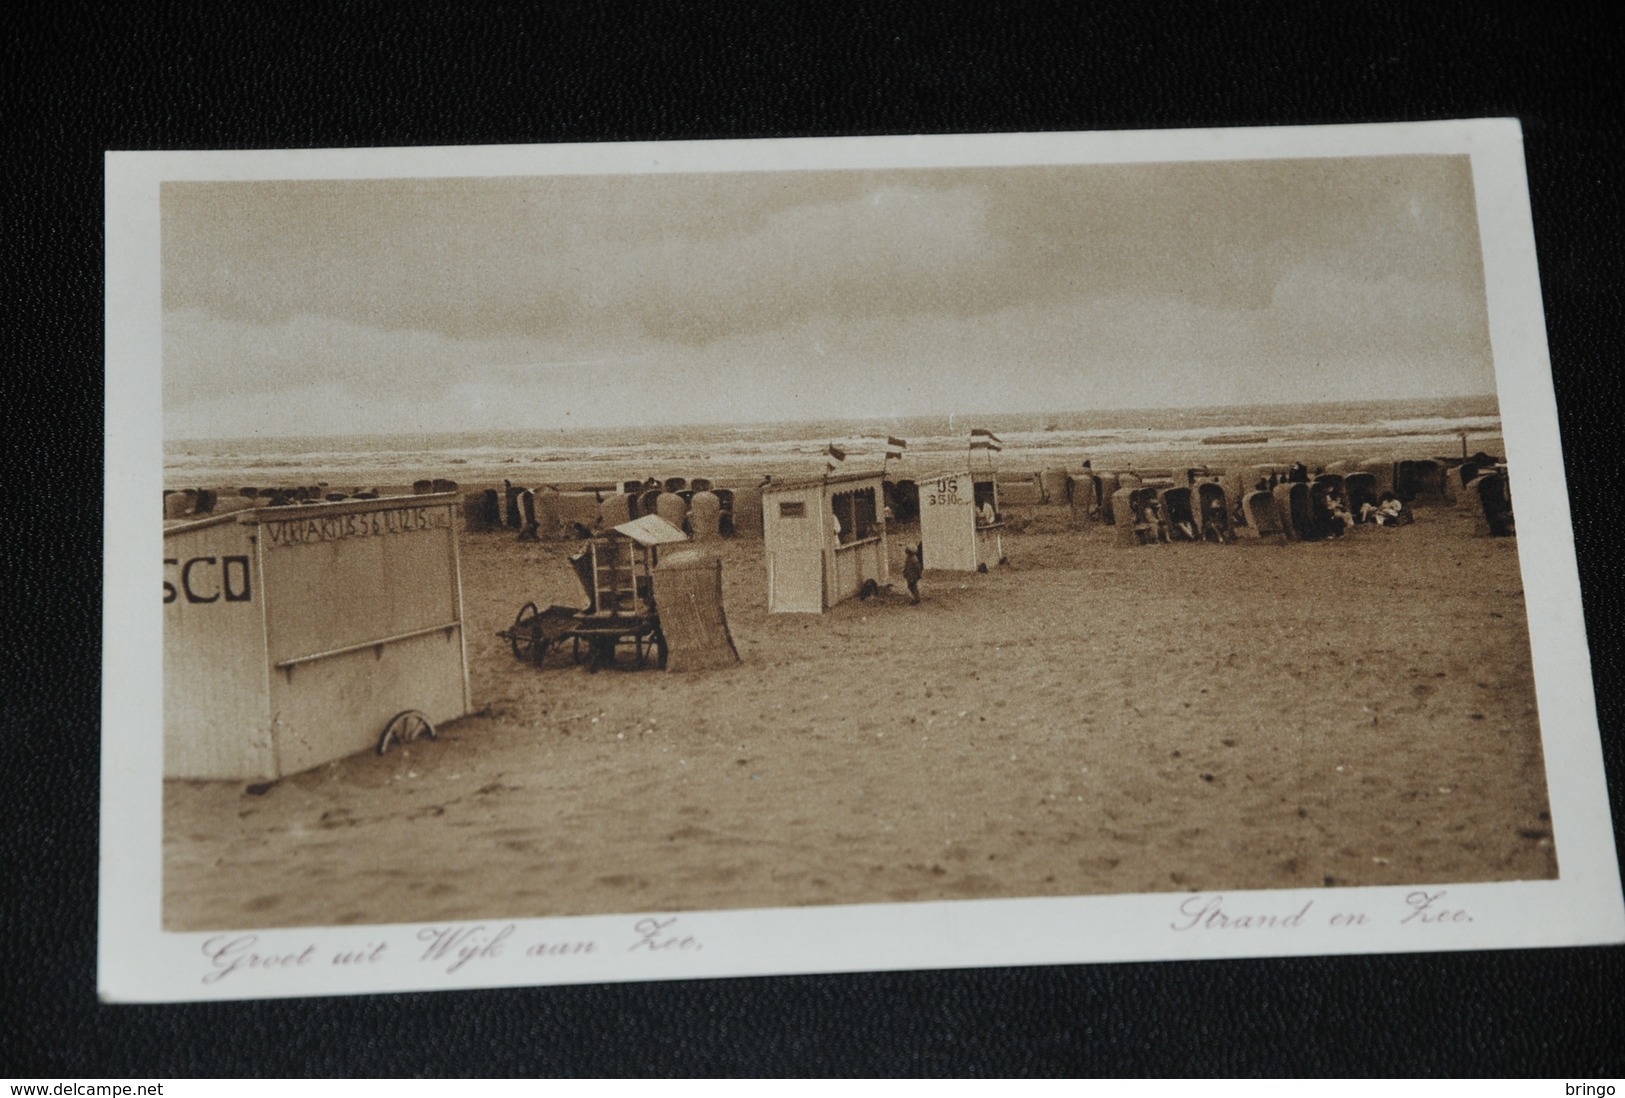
(188, 503)
(695, 506)
(1288, 501)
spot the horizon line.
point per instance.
(807, 420)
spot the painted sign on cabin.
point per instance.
(960, 527)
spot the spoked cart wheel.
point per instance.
(526, 637)
(404, 727)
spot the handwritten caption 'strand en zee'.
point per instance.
(453, 949)
(1420, 908)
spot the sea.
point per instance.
(1029, 441)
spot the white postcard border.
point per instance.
(138, 962)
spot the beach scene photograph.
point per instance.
(565, 545)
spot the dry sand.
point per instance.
(1093, 719)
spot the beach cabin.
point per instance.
(294, 635)
(825, 539)
(961, 526)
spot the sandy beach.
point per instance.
(1091, 719)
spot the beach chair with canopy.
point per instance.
(1083, 492)
(1421, 481)
(1106, 486)
(1360, 489)
(1325, 498)
(1262, 517)
(1212, 506)
(1383, 470)
(1330, 485)
(1138, 517)
(1178, 515)
(1494, 496)
(1296, 515)
(1122, 514)
(725, 499)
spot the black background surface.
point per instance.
(81, 78)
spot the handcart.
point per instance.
(617, 573)
(535, 631)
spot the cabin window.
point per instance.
(795, 509)
(984, 497)
(857, 513)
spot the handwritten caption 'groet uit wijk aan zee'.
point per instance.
(453, 949)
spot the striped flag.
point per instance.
(895, 448)
(834, 456)
(983, 439)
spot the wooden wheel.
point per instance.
(404, 727)
(526, 637)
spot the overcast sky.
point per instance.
(425, 305)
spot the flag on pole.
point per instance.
(895, 448)
(983, 439)
(834, 456)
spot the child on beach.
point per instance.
(912, 571)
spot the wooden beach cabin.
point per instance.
(825, 538)
(961, 526)
(293, 635)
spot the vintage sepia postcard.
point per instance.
(629, 562)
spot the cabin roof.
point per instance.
(308, 509)
(651, 530)
(814, 482)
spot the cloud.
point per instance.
(208, 357)
(472, 267)
(639, 300)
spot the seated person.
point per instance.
(1390, 511)
(1149, 526)
(1341, 519)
